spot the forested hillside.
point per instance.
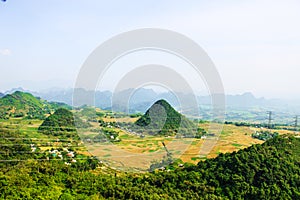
(62, 123)
(161, 118)
(267, 171)
(21, 104)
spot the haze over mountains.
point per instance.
(140, 100)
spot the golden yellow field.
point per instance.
(138, 153)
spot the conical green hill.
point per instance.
(162, 118)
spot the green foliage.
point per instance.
(110, 133)
(257, 125)
(162, 119)
(264, 135)
(89, 113)
(267, 171)
(135, 115)
(14, 148)
(61, 123)
(20, 104)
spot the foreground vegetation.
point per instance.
(258, 172)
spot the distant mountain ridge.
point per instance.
(140, 100)
(103, 98)
(19, 89)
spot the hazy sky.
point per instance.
(255, 45)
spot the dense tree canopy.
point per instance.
(267, 171)
(162, 118)
(21, 104)
(62, 123)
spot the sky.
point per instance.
(255, 45)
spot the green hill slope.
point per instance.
(62, 123)
(162, 118)
(20, 104)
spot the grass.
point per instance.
(195, 158)
(137, 152)
(236, 145)
(106, 149)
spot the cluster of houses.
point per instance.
(107, 124)
(264, 135)
(63, 154)
(168, 170)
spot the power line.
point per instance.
(296, 123)
(169, 155)
(269, 118)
